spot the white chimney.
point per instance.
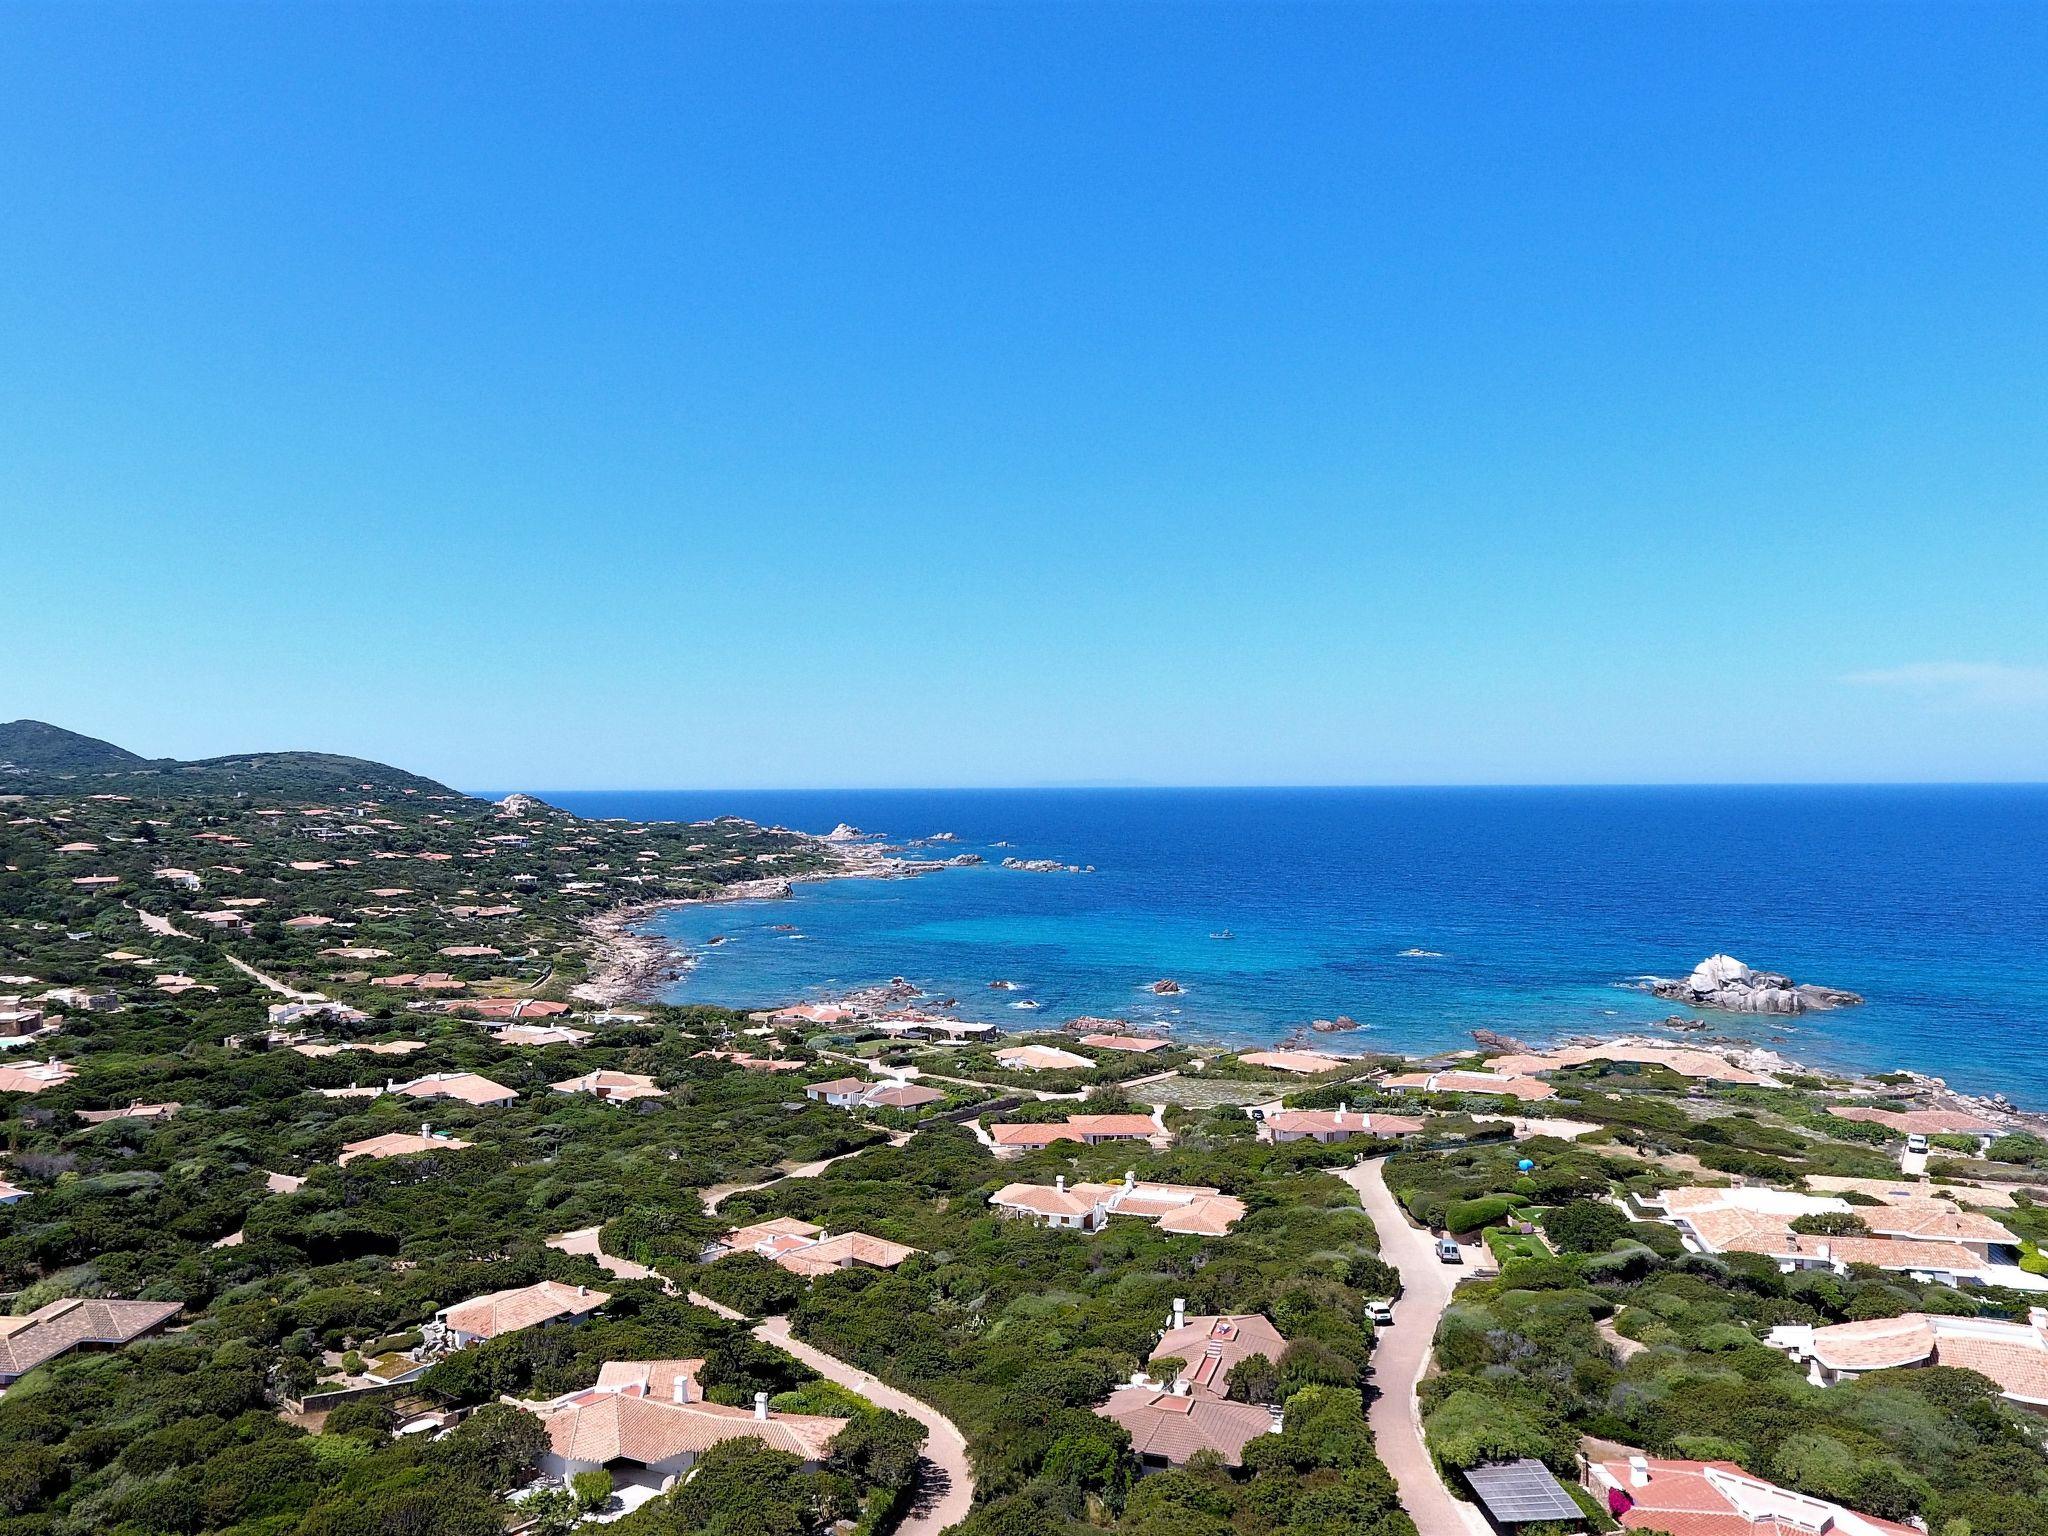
(1343, 1109)
(1130, 1178)
(1824, 1253)
(582, 1290)
(1180, 1312)
(1060, 1183)
(1180, 1387)
(1639, 1471)
(680, 1388)
(761, 1406)
(426, 1130)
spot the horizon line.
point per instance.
(1126, 787)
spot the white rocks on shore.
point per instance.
(1722, 981)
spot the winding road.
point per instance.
(945, 1478)
(1401, 1356)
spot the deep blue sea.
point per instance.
(1538, 905)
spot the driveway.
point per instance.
(1401, 1355)
(945, 1479)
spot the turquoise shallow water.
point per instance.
(1539, 904)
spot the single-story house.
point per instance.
(1704, 1498)
(612, 1087)
(1042, 1058)
(72, 1323)
(1183, 1208)
(2015, 1355)
(1328, 1125)
(1526, 1089)
(498, 1313)
(1168, 1426)
(1012, 1138)
(468, 1087)
(1210, 1347)
(401, 1144)
(646, 1422)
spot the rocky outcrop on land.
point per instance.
(1722, 981)
(522, 804)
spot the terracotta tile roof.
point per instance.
(469, 1087)
(610, 1085)
(526, 1306)
(399, 1144)
(2014, 1355)
(604, 1426)
(1042, 1200)
(771, 1232)
(1041, 1058)
(1935, 1219)
(1074, 1128)
(836, 1085)
(539, 1035)
(1187, 1208)
(1727, 1229)
(654, 1378)
(1140, 1043)
(1325, 1122)
(35, 1076)
(1174, 1428)
(843, 1251)
(1210, 1348)
(1920, 1122)
(28, 1341)
(1717, 1498)
(901, 1096)
(1304, 1062)
(136, 1111)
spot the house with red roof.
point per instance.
(1168, 1426)
(1012, 1139)
(646, 1422)
(498, 1313)
(1718, 1498)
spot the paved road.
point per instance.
(946, 1480)
(1402, 1355)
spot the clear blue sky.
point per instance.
(616, 396)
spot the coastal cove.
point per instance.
(1536, 908)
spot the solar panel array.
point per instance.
(1515, 1492)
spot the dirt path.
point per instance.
(163, 927)
(1402, 1354)
(273, 983)
(945, 1477)
(718, 1194)
(584, 1241)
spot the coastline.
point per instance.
(628, 963)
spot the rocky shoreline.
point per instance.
(630, 964)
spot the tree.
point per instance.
(592, 1489)
(1831, 1224)
(496, 1448)
(1254, 1379)
(1585, 1226)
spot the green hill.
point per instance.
(38, 758)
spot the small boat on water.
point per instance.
(1225, 934)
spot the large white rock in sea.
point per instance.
(1724, 982)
